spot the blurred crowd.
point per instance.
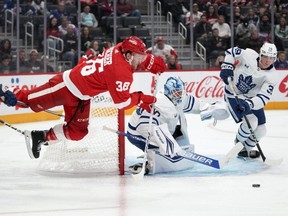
(210, 21)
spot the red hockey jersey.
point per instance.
(107, 72)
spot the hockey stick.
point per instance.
(264, 159)
(27, 135)
(192, 156)
(141, 174)
(48, 111)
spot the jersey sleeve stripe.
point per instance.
(189, 105)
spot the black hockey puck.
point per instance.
(256, 185)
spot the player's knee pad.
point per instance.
(244, 131)
(260, 131)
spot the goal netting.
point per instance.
(100, 152)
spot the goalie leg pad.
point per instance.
(165, 141)
(159, 163)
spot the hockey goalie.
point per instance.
(169, 134)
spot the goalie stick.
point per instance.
(141, 174)
(264, 159)
(192, 156)
(27, 135)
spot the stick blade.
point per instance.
(231, 154)
(27, 135)
(273, 162)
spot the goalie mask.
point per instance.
(174, 89)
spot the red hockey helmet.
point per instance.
(134, 44)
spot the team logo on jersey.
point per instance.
(245, 84)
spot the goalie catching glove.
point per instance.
(154, 64)
(217, 110)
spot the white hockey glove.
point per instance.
(217, 110)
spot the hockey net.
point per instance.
(100, 152)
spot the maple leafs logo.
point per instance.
(245, 84)
(283, 86)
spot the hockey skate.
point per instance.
(245, 155)
(136, 168)
(38, 139)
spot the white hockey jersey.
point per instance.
(250, 80)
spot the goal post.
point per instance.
(99, 152)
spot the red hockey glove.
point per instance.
(154, 64)
(146, 102)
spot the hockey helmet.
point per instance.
(268, 49)
(134, 44)
(174, 89)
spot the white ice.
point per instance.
(199, 191)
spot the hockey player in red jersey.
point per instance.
(111, 71)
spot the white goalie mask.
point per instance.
(174, 89)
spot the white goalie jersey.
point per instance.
(164, 112)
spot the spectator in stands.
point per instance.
(107, 43)
(237, 17)
(172, 63)
(88, 19)
(201, 31)
(281, 61)
(86, 39)
(5, 48)
(39, 6)
(179, 10)
(70, 41)
(93, 6)
(223, 27)
(216, 45)
(45, 61)
(253, 42)
(264, 26)
(125, 8)
(106, 8)
(34, 65)
(27, 9)
(60, 12)
(212, 14)
(281, 30)
(162, 49)
(93, 50)
(5, 64)
(52, 30)
(23, 64)
(64, 25)
(196, 16)
(252, 17)
(219, 60)
(244, 29)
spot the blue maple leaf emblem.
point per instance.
(245, 84)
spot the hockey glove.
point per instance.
(226, 71)
(146, 102)
(244, 107)
(154, 64)
(7, 96)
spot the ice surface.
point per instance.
(199, 191)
